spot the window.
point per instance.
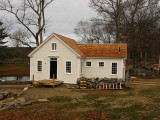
(54, 46)
(88, 64)
(53, 59)
(68, 66)
(114, 68)
(101, 64)
(39, 66)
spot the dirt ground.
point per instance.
(136, 102)
(11, 88)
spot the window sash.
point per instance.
(68, 66)
(54, 46)
(101, 64)
(88, 64)
(39, 66)
(114, 68)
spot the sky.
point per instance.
(63, 16)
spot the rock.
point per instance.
(26, 88)
(1, 96)
(106, 79)
(97, 79)
(120, 80)
(21, 100)
(11, 105)
(2, 105)
(112, 80)
(78, 81)
(25, 103)
(93, 79)
(18, 107)
(93, 82)
(27, 99)
(43, 100)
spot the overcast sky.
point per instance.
(63, 16)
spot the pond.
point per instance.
(19, 78)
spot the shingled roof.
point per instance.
(113, 50)
(117, 50)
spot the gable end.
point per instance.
(48, 38)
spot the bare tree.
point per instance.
(132, 21)
(141, 20)
(3, 35)
(30, 14)
(93, 32)
(21, 37)
(111, 12)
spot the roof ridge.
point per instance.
(65, 37)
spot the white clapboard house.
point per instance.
(69, 60)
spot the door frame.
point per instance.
(54, 59)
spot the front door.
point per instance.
(53, 68)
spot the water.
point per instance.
(19, 78)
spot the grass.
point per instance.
(136, 103)
(61, 99)
(149, 91)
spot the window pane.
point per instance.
(54, 46)
(53, 59)
(114, 68)
(39, 66)
(101, 64)
(68, 66)
(88, 63)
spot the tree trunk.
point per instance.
(145, 59)
(159, 63)
(141, 55)
(41, 37)
(127, 78)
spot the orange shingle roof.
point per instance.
(96, 50)
(71, 43)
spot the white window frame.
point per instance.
(86, 64)
(100, 62)
(112, 68)
(66, 67)
(39, 66)
(54, 47)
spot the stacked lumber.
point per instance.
(83, 84)
(53, 83)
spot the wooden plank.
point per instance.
(48, 82)
(83, 87)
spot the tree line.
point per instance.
(135, 22)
